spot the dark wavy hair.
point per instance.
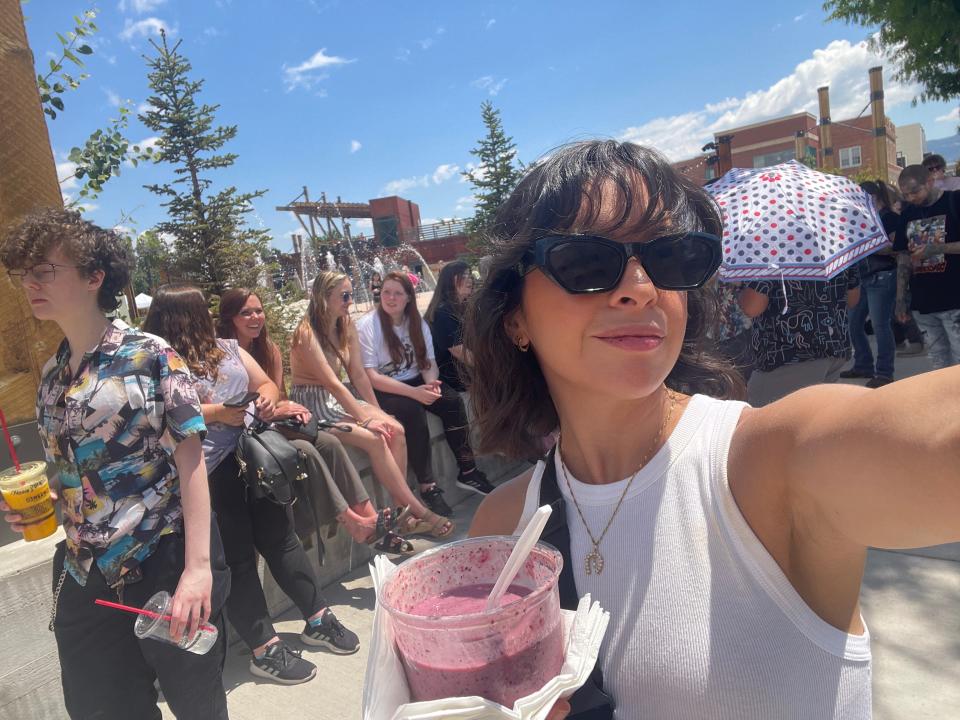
(512, 402)
(445, 293)
(394, 346)
(91, 247)
(231, 303)
(179, 314)
(879, 192)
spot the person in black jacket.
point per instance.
(445, 315)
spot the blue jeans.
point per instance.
(878, 295)
(941, 331)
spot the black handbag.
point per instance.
(269, 463)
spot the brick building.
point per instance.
(795, 137)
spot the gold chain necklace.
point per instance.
(594, 562)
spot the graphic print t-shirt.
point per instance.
(376, 354)
(935, 286)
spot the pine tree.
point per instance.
(153, 261)
(213, 245)
(493, 179)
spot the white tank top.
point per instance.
(703, 623)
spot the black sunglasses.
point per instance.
(346, 295)
(593, 264)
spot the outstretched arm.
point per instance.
(881, 467)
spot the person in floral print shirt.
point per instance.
(121, 427)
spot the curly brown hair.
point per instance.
(511, 400)
(180, 315)
(91, 247)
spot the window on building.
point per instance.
(901, 160)
(711, 172)
(773, 158)
(850, 157)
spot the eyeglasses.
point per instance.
(582, 264)
(43, 273)
(346, 296)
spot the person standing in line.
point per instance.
(399, 360)
(801, 337)
(930, 233)
(121, 428)
(878, 295)
(337, 494)
(222, 370)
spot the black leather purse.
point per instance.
(269, 463)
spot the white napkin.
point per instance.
(387, 697)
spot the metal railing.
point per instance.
(435, 231)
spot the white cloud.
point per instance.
(490, 84)
(445, 172)
(361, 225)
(143, 107)
(212, 32)
(403, 55)
(842, 65)
(398, 187)
(148, 142)
(426, 43)
(66, 175)
(798, 18)
(123, 230)
(112, 97)
(144, 28)
(465, 203)
(952, 116)
(305, 74)
(354, 146)
(491, 22)
(441, 30)
(140, 7)
(480, 171)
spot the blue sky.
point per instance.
(365, 98)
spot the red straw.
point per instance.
(6, 434)
(138, 611)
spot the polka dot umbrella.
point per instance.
(793, 223)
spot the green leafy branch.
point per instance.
(57, 81)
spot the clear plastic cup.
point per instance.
(27, 492)
(501, 655)
(156, 626)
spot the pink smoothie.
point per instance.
(516, 666)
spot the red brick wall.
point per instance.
(859, 131)
(446, 249)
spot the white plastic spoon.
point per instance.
(528, 538)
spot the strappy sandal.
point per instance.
(387, 520)
(394, 544)
(434, 525)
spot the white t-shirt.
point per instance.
(376, 354)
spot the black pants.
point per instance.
(412, 414)
(108, 674)
(907, 331)
(251, 526)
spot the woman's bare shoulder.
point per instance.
(501, 510)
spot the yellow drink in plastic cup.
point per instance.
(28, 494)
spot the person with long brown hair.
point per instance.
(445, 317)
(324, 354)
(223, 370)
(727, 542)
(336, 493)
(399, 359)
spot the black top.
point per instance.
(935, 285)
(447, 331)
(876, 262)
(810, 323)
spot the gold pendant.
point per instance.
(593, 562)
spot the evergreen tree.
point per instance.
(153, 263)
(213, 245)
(493, 179)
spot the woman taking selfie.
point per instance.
(325, 348)
(399, 360)
(223, 371)
(728, 543)
(337, 492)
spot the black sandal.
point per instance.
(394, 544)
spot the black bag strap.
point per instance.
(590, 702)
